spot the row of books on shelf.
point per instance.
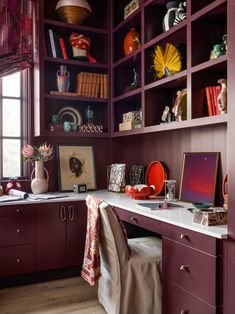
(54, 45)
(92, 85)
(212, 93)
(89, 85)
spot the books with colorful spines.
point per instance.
(63, 49)
(94, 83)
(217, 90)
(85, 85)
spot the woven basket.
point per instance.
(73, 14)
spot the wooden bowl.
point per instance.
(72, 14)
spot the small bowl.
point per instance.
(139, 191)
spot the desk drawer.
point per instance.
(193, 239)
(17, 230)
(139, 220)
(179, 301)
(190, 269)
(16, 210)
(17, 260)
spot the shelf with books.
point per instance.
(65, 42)
(202, 82)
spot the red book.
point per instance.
(217, 91)
(209, 101)
(63, 49)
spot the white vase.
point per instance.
(39, 184)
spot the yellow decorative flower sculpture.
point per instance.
(166, 60)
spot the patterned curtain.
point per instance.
(16, 30)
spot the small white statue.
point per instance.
(222, 97)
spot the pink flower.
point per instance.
(44, 152)
(28, 152)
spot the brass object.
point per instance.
(183, 236)
(73, 14)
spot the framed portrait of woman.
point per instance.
(75, 166)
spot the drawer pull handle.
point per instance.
(183, 236)
(133, 219)
(18, 231)
(18, 211)
(18, 260)
(183, 312)
(183, 267)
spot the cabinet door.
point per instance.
(76, 232)
(50, 236)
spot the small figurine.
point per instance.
(89, 115)
(165, 114)
(135, 84)
(180, 106)
(222, 97)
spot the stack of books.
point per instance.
(212, 93)
(54, 45)
(92, 85)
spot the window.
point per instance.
(13, 118)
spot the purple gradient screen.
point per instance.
(198, 178)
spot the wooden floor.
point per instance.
(71, 295)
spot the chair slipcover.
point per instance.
(129, 284)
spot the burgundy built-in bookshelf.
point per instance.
(205, 19)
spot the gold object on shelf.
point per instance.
(73, 11)
(166, 60)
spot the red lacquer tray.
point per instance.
(155, 175)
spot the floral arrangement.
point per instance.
(32, 153)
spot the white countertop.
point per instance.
(180, 217)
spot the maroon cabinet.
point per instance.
(17, 239)
(60, 235)
(190, 270)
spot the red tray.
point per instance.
(155, 175)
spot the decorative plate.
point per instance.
(155, 175)
(70, 114)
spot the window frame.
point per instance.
(26, 119)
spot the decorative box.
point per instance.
(131, 7)
(132, 116)
(210, 217)
(126, 126)
(91, 128)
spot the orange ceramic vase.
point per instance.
(131, 41)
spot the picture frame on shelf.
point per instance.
(75, 166)
(199, 177)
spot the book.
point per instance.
(52, 42)
(209, 101)
(97, 85)
(106, 86)
(46, 196)
(63, 49)
(48, 44)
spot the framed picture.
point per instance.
(198, 177)
(75, 166)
